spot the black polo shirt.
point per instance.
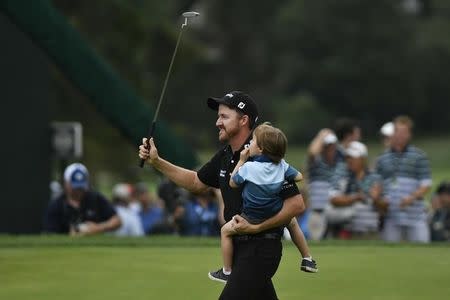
(216, 173)
(60, 215)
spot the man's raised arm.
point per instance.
(182, 177)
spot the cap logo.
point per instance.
(78, 176)
(241, 105)
(229, 95)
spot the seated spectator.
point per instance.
(131, 223)
(321, 165)
(80, 210)
(440, 221)
(56, 190)
(151, 211)
(200, 215)
(173, 196)
(354, 197)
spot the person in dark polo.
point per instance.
(80, 210)
(257, 250)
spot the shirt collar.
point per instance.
(261, 158)
(403, 151)
(244, 145)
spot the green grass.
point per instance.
(175, 268)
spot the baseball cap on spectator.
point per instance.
(330, 138)
(77, 176)
(237, 100)
(356, 150)
(387, 129)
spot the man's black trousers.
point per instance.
(255, 261)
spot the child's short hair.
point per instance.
(271, 140)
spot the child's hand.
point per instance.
(245, 154)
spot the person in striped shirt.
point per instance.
(323, 158)
(406, 176)
(355, 196)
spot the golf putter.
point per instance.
(187, 15)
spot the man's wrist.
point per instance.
(154, 161)
(255, 228)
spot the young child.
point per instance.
(263, 178)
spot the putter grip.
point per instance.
(150, 135)
(141, 164)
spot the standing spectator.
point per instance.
(355, 196)
(347, 131)
(200, 215)
(386, 132)
(131, 223)
(80, 210)
(440, 220)
(321, 166)
(406, 179)
(151, 211)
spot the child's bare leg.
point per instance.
(298, 238)
(226, 232)
(307, 264)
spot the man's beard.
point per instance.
(227, 134)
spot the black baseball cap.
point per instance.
(239, 101)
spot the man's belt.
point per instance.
(251, 237)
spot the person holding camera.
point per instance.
(79, 210)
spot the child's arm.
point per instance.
(292, 173)
(243, 158)
(299, 177)
(236, 169)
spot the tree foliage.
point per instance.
(301, 59)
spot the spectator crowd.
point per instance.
(347, 196)
(77, 209)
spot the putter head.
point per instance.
(190, 14)
(187, 15)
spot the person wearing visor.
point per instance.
(354, 198)
(80, 210)
(257, 247)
